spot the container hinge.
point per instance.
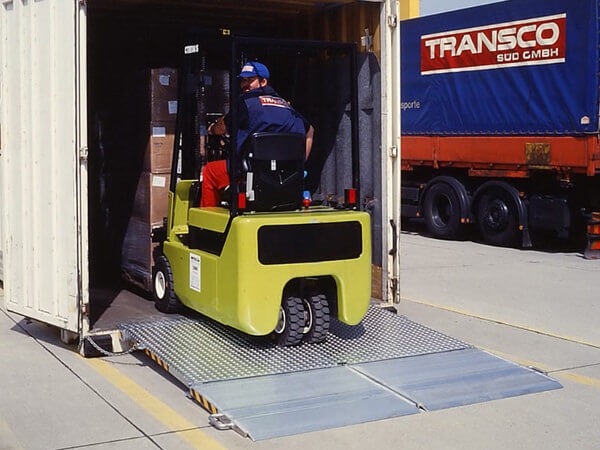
(83, 3)
(392, 21)
(83, 153)
(394, 289)
(393, 151)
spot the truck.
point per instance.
(500, 124)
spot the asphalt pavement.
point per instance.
(536, 308)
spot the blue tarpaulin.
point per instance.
(517, 67)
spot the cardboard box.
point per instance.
(163, 110)
(157, 94)
(151, 200)
(162, 94)
(159, 148)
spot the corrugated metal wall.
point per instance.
(40, 159)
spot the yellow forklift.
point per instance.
(268, 261)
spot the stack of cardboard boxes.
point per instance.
(158, 102)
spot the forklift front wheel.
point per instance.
(165, 299)
(290, 326)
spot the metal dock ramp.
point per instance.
(388, 366)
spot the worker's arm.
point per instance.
(309, 140)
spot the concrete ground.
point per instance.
(537, 308)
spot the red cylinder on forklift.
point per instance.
(350, 196)
(242, 200)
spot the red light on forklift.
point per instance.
(241, 200)
(594, 229)
(306, 202)
(350, 196)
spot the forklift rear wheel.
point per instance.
(317, 319)
(291, 322)
(165, 299)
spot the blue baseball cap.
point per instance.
(254, 69)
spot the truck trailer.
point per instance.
(500, 121)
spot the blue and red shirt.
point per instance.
(263, 110)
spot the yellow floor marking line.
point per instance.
(581, 379)
(501, 322)
(155, 407)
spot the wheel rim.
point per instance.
(497, 215)
(308, 316)
(160, 285)
(280, 321)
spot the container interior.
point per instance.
(126, 40)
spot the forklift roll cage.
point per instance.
(240, 47)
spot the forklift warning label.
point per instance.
(194, 272)
(540, 40)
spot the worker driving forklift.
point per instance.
(260, 109)
(266, 261)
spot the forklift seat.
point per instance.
(275, 175)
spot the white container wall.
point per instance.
(41, 160)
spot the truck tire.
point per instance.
(165, 299)
(316, 324)
(441, 209)
(497, 218)
(290, 326)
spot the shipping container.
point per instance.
(500, 120)
(72, 153)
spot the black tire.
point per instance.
(165, 299)
(316, 325)
(291, 322)
(441, 209)
(497, 218)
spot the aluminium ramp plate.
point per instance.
(291, 403)
(198, 350)
(462, 377)
(388, 366)
(280, 405)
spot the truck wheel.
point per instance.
(442, 212)
(165, 299)
(291, 322)
(497, 218)
(316, 324)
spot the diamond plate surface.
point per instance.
(199, 350)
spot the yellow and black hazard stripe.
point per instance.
(203, 402)
(157, 360)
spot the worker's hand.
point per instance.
(218, 127)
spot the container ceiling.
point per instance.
(272, 7)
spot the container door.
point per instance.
(44, 193)
(390, 91)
